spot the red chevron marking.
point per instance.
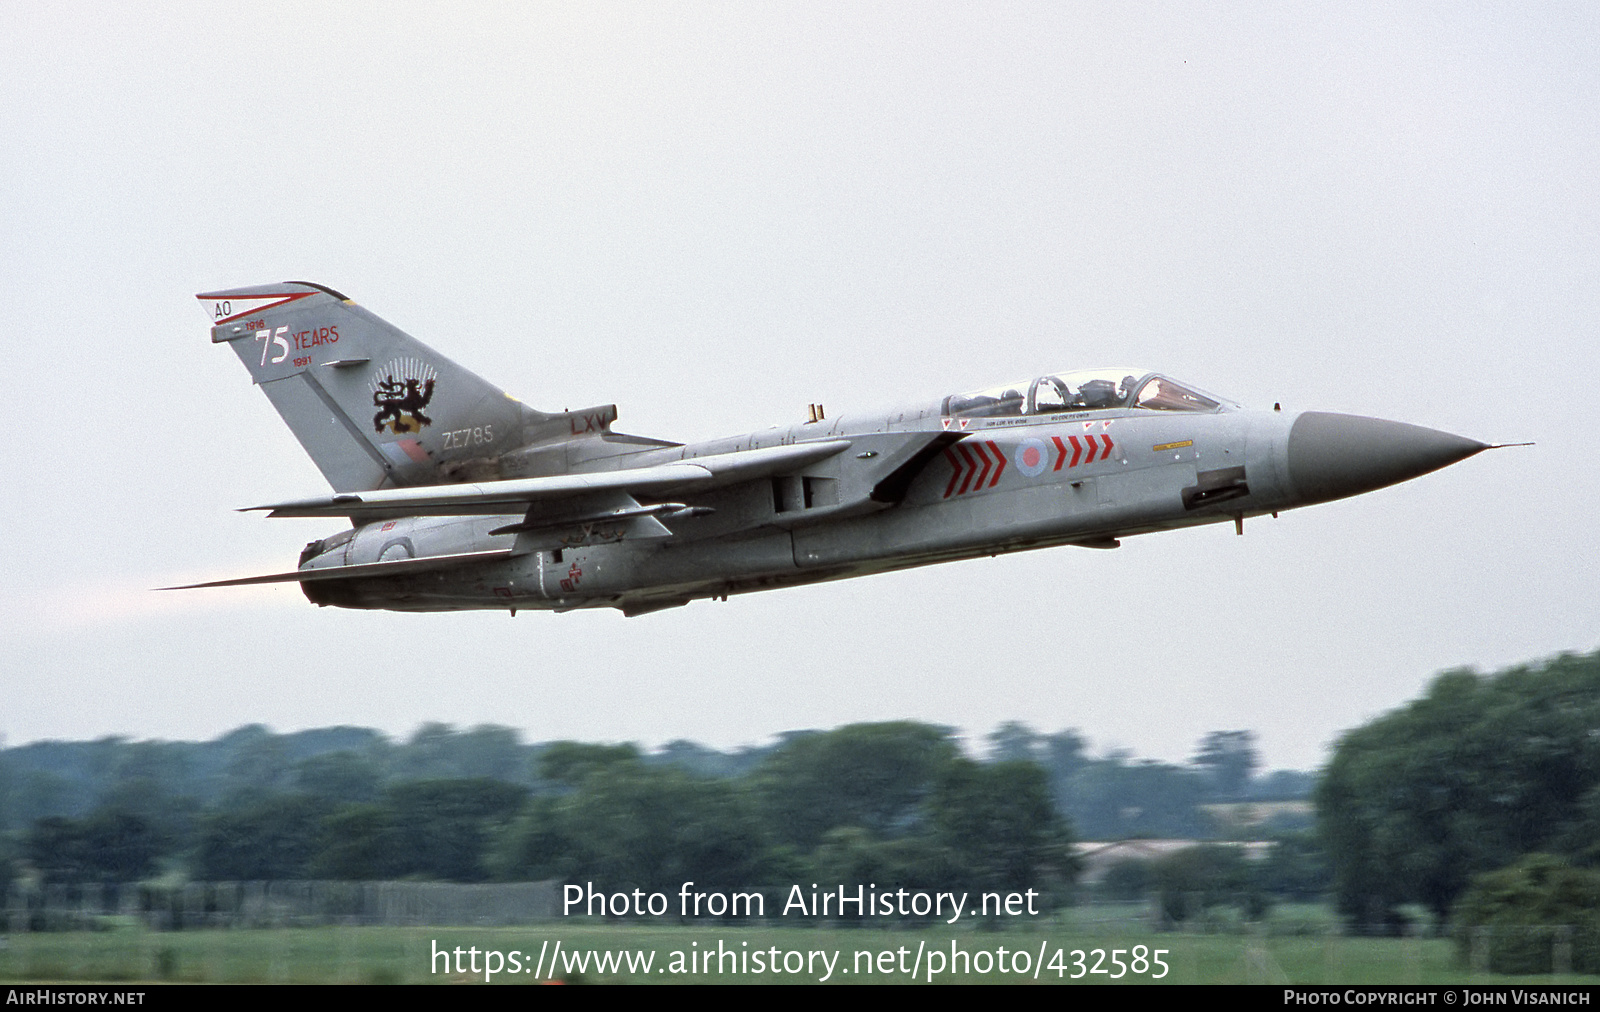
(966, 458)
(1000, 466)
(955, 471)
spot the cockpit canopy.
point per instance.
(1089, 390)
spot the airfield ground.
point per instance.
(1297, 949)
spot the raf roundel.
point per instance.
(1032, 457)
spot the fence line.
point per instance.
(59, 907)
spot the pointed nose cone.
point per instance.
(1332, 456)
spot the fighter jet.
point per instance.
(461, 497)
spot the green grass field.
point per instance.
(1305, 955)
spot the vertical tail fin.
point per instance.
(371, 405)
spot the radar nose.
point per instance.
(1332, 456)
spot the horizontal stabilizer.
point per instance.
(515, 495)
(398, 567)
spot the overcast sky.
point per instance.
(714, 215)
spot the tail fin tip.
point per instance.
(233, 304)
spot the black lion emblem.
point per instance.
(400, 402)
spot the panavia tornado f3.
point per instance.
(461, 497)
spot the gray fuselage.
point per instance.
(992, 485)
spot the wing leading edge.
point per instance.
(517, 494)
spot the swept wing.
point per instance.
(518, 494)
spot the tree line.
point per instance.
(1477, 804)
(897, 802)
(1483, 781)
